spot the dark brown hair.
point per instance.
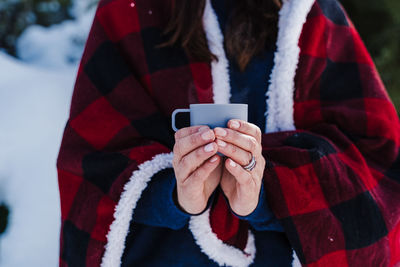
(251, 27)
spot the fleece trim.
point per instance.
(220, 68)
(280, 94)
(124, 210)
(215, 249)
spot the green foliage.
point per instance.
(17, 15)
(378, 23)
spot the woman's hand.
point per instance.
(197, 168)
(239, 143)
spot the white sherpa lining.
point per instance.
(215, 249)
(124, 211)
(279, 114)
(205, 238)
(279, 98)
(220, 69)
(279, 117)
(296, 261)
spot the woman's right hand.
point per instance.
(197, 167)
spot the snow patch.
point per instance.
(35, 96)
(33, 110)
(57, 46)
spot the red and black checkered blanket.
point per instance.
(334, 182)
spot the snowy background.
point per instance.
(35, 94)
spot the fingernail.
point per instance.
(235, 124)
(220, 132)
(207, 135)
(214, 159)
(202, 129)
(209, 148)
(221, 143)
(232, 163)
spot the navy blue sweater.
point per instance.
(159, 234)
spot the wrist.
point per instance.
(193, 211)
(250, 205)
(244, 211)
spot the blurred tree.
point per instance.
(378, 23)
(16, 15)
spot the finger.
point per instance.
(181, 133)
(242, 176)
(203, 172)
(234, 152)
(244, 141)
(246, 128)
(196, 158)
(189, 143)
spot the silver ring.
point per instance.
(251, 165)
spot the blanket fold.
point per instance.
(329, 181)
(333, 181)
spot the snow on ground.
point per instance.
(57, 46)
(35, 96)
(33, 110)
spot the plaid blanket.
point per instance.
(333, 182)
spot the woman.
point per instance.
(322, 130)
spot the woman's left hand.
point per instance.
(239, 142)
